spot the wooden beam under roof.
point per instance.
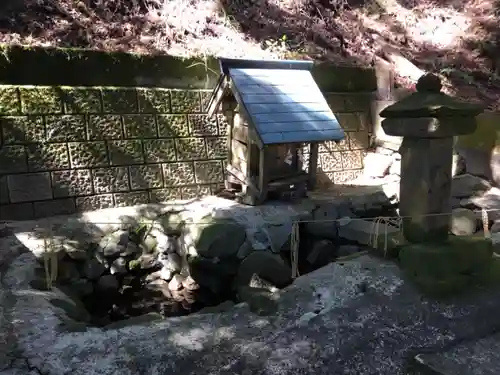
(220, 91)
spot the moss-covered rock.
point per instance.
(447, 267)
(214, 237)
(455, 256)
(171, 223)
(260, 300)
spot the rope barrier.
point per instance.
(50, 263)
(294, 250)
(395, 218)
(486, 223)
(384, 221)
(386, 217)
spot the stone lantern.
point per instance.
(427, 120)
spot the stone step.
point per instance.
(475, 357)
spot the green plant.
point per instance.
(134, 264)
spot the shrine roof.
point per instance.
(280, 100)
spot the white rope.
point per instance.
(394, 219)
(375, 232)
(486, 222)
(50, 261)
(294, 249)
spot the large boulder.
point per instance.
(265, 265)
(467, 185)
(171, 222)
(463, 222)
(214, 237)
(382, 236)
(324, 219)
(489, 201)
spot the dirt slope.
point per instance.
(459, 39)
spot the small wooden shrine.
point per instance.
(277, 117)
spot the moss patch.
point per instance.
(20, 65)
(449, 267)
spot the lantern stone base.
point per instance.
(447, 267)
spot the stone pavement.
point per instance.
(472, 357)
(355, 317)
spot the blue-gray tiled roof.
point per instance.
(284, 105)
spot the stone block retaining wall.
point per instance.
(70, 149)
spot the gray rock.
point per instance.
(455, 202)
(223, 307)
(324, 218)
(131, 248)
(347, 250)
(257, 282)
(108, 283)
(92, 269)
(128, 222)
(463, 222)
(82, 287)
(395, 167)
(71, 305)
(467, 185)
(215, 237)
(490, 201)
(495, 236)
(279, 235)
(67, 272)
(176, 283)
(171, 261)
(470, 357)
(376, 201)
(159, 285)
(147, 261)
(190, 284)
(102, 259)
(118, 267)
(477, 162)
(166, 274)
(172, 222)
(260, 300)
(355, 332)
(361, 231)
(458, 166)
(267, 266)
(152, 276)
(114, 243)
(495, 168)
(149, 244)
(76, 250)
(141, 320)
(322, 253)
(495, 227)
(377, 164)
(165, 243)
(245, 249)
